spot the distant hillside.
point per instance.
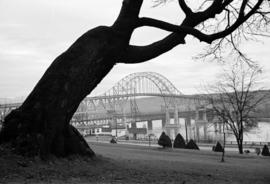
(153, 104)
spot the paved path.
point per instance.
(207, 147)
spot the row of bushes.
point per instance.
(179, 142)
(265, 150)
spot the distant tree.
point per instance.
(192, 145)
(234, 99)
(164, 140)
(258, 151)
(113, 141)
(42, 121)
(179, 141)
(265, 151)
(218, 148)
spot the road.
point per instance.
(229, 148)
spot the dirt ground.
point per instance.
(117, 163)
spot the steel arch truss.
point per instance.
(143, 83)
(135, 84)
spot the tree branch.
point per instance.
(185, 8)
(242, 9)
(173, 28)
(196, 33)
(137, 54)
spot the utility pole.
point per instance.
(224, 141)
(116, 129)
(186, 130)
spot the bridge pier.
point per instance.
(197, 129)
(188, 128)
(163, 121)
(149, 125)
(167, 116)
(219, 127)
(205, 131)
(201, 120)
(172, 132)
(133, 125)
(215, 130)
(171, 129)
(176, 121)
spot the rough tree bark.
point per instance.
(41, 125)
(240, 145)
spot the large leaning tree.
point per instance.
(40, 126)
(235, 98)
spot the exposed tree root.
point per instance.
(28, 141)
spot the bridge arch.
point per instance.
(129, 87)
(140, 83)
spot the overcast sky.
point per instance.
(34, 32)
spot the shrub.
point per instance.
(265, 151)
(218, 148)
(179, 142)
(113, 141)
(164, 140)
(192, 145)
(258, 151)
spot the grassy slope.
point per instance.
(136, 164)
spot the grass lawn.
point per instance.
(116, 163)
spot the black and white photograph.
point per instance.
(134, 91)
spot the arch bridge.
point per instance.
(142, 84)
(120, 103)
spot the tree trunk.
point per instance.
(240, 145)
(41, 125)
(224, 143)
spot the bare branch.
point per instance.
(235, 98)
(173, 28)
(235, 18)
(185, 7)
